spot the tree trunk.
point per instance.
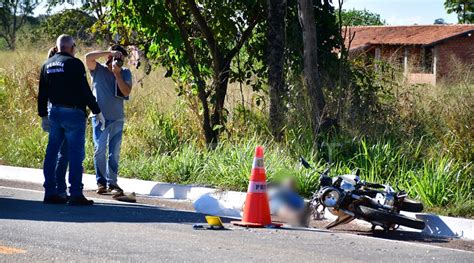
(276, 48)
(206, 127)
(312, 78)
(209, 134)
(220, 83)
(11, 44)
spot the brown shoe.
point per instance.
(101, 189)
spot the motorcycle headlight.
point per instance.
(331, 198)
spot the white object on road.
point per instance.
(445, 226)
(209, 204)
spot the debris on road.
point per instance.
(209, 204)
(121, 196)
(213, 223)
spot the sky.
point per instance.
(404, 12)
(394, 12)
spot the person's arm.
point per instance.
(124, 82)
(43, 94)
(91, 57)
(86, 91)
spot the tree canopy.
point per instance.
(353, 17)
(463, 8)
(198, 41)
(200, 44)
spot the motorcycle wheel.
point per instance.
(372, 214)
(411, 205)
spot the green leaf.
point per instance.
(217, 127)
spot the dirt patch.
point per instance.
(155, 201)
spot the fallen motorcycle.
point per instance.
(348, 197)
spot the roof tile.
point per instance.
(403, 35)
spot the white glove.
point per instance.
(45, 123)
(100, 118)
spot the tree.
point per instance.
(73, 22)
(276, 34)
(328, 40)
(312, 78)
(463, 8)
(13, 15)
(364, 17)
(199, 41)
(90, 9)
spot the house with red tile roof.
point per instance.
(426, 53)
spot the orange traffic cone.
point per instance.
(257, 208)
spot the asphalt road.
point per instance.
(112, 231)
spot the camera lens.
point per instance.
(118, 62)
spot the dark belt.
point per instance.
(67, 106)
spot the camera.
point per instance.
(118, 62)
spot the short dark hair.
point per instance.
(119, 48)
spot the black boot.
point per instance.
(80, 201)
(54, 199)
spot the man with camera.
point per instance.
(112, 84)
(64, 84)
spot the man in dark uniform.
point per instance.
(63, 83)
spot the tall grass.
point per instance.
(432, 159)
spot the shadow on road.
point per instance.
(400, 235)
(19, 209)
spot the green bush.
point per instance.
(73, 22)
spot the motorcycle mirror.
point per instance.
(305, 163)
(330, 165)
(357, 173)
(326, 171)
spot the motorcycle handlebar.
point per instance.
(326, 171)
(308, 166)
